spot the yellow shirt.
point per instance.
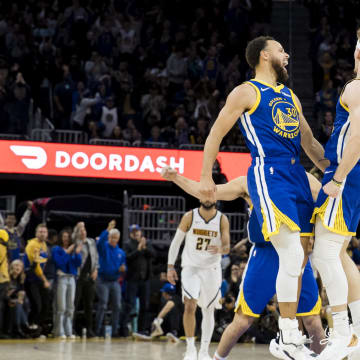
(4, 268)
(36, 252)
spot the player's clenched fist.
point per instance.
(168, 173)
(172, 276)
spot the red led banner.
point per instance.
(112, 162)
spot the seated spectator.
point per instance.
(4, 277)
(117, 133)
(112, 263)
(224, 317)
(15, 244)
(155, 135)
(234, 280)
(18, 326)
(326, 128)
(36, 284)
(85, 286)
(67, 260)
(169, 315)
(139, 253)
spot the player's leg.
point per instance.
(313, 326)
(291, 256)
(191, 283)
(327, 259)
(353, 278)
(240, 324)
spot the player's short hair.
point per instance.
(254, 48)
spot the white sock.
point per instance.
(341, 323)
(190, 341)
(218, 357)
(207, 328)
(355, 315)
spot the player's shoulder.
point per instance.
(188, 216)
(350, 94)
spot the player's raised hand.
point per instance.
(168, 173)
(172, 276)
(332, 189)
(207, 189)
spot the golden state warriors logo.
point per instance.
(285, 117)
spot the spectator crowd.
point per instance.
(134, 70)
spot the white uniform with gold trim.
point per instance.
(201, 271)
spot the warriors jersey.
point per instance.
(200, 236)
(335, 146)
(271, 126)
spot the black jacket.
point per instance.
(139, 263)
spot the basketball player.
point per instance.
(262, 267)
(271, 120)
(337, 216)
(207, 237)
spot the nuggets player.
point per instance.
(207, 237)
(262, 266)
(271, 120)
(337, 216)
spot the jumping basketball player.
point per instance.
(271, 120)
(262, 266)
(337, 216)
(207, 237)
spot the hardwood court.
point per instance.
(112, 350)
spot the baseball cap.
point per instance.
(134, 227)
(168, 288)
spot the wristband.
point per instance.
(337, 183)
(171, 267)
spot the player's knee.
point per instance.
(292, 260)
(312, 324)
(189, 306)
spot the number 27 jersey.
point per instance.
(200, 236)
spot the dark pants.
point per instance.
(40, 302)
(141, 289)
(3, 290)
(171, 320)
(85, 293)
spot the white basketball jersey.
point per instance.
(197, 240)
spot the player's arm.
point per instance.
(239, 100)
(313, 149)
(351, 153)
(225, 238)
(229, 191)
(315, 185)
(176, 242)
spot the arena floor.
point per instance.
(116, 349)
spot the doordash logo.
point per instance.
(33, 157)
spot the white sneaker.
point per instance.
(172, 338)
(139, 336)
(191, 353)
(291, 341)
(277, 352)
(355, 355)
(62, 337)
(156, 329)
(71, 337)
(204, 355)
(338, 347)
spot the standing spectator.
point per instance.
(67, 260)
(4, 277)
(63, 99)
(108, 117)
(112, 263)
(176, 67)
(15, 232)
(36, 284)
(139, 254)
(85, 287)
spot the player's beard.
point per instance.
(281, 73)
(207, 205)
